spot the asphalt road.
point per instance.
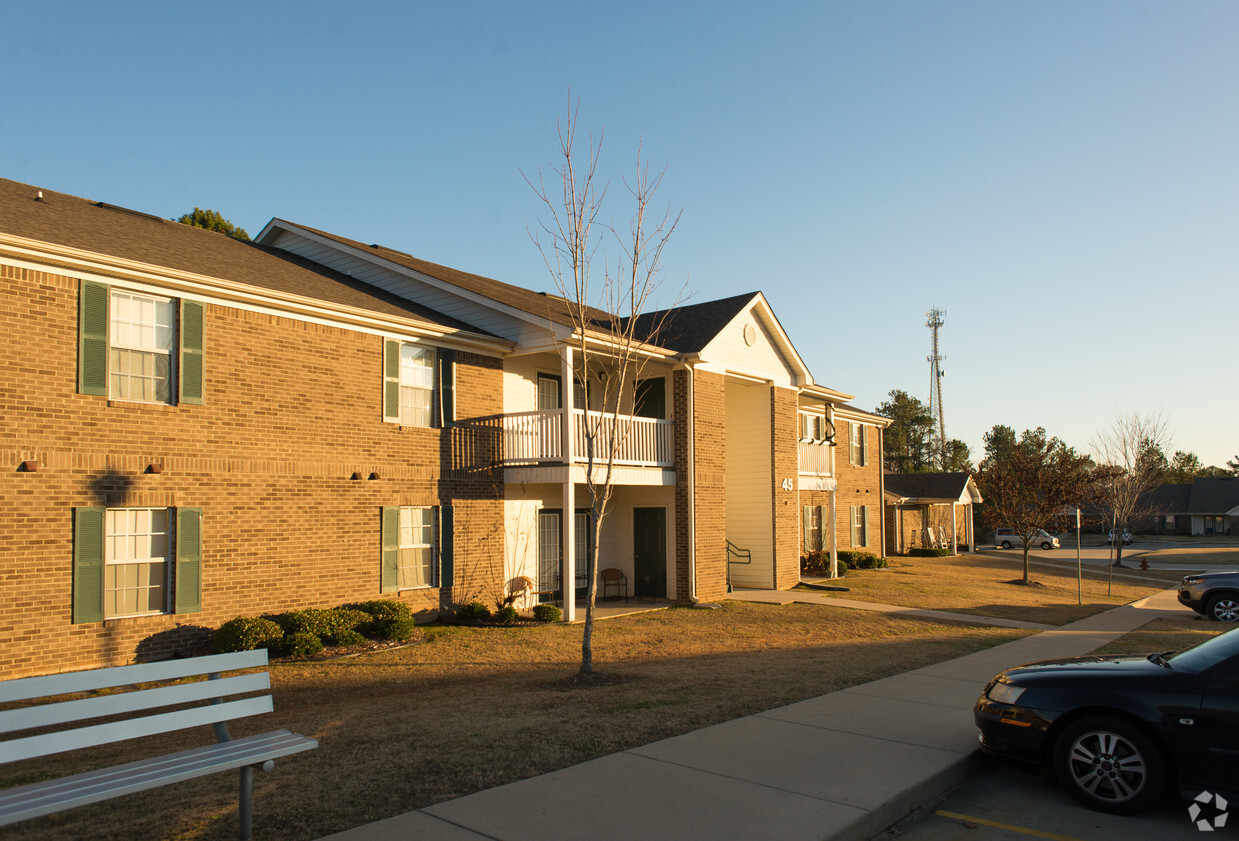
(1002, 803)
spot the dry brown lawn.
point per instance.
(984, 585)
(1169, 634)
(470, 708)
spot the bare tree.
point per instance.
(1031, 482)
(1127, 472)
(613, 332)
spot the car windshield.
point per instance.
(1209, 653)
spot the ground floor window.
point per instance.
(860, 526)
(135, 577)
(812, 528)
(1169, 522)
(416, 548)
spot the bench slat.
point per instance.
(25, 718)
(43, 798)
(22, 689)
(115, 731)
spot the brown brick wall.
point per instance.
(292, 411)
(784, 420)
(710, 479)
(858, 486)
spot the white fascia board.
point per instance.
(859, 416)
(159, 280)
(430, 280)
(829, 395)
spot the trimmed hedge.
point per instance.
(299, 633)
(547, 613)
(246, 633)
(928, 552)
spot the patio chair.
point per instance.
(614, 578)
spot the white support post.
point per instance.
(834, 536)
(567, 572)
(954, 531)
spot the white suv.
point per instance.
(1006, 538)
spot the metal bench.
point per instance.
(73, 724)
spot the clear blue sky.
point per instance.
(1061, 177)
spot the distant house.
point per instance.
(1208, 506)
(197, 428)
(932, 510)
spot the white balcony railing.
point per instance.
(533, 437)
(814, 458)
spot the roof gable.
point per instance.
(933, 486)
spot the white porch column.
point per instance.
(954, 530)
(834, 536)
(972, 532)
(567, 574)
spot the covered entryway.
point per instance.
(649, 544)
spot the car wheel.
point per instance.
(1045, 544)
(1006, 544)
(1223, 608)
(1110, 765)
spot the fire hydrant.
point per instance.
(1144, 564)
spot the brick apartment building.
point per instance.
(196, 428)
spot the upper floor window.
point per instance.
(138, 346)
(858, 435)
(140, 360)
(417, 384)
(812, 427)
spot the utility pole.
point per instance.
(933, 320)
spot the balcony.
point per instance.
(537, 438)
(814, 458)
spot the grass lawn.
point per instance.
(469, 708)
(987, 586)
(1171, 634)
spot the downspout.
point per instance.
(882, 487)
(689, 431)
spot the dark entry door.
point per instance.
(649, 539)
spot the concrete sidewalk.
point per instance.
(840, 766)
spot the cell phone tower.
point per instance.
(933, 320)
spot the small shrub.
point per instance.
(348, 638)
(842, 567)
(505, 615)
(547, 613)
(388, 619)
(473, 612)
(300, 644)
(928, 552)
(327, 625)
(817, 561)
(246, 633)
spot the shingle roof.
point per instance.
(1214, 495)
(927, 485)
(63, 219)
(689, 328)
(1170, 499)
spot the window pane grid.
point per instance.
(415, 552)
(417, 381)
(141, 337)
(135, 558)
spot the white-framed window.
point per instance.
(1170, 522)
(550, 554)
(141, 338)
(135, 555)
(417, 385)
(860, 526)
(813, 528)
(548, 396)
(416, 548)
(812, 427)
(857, 438)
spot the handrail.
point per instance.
(733, 549)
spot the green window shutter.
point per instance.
(864, 445)
(92, 368)
(192, 350)
(391, 381)
(808, 526)
(864, 534)
(852, 521)
(445, 386)
(447, 560)
(87, 565)
(389, 566)
(188, 598)
(821, 518)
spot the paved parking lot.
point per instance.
(1002, 803)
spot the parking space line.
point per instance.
(1009, 827)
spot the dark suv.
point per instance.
(1212, 594)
